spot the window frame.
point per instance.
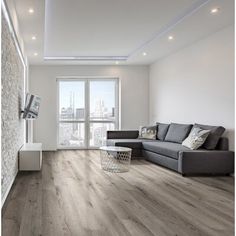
(87, 121)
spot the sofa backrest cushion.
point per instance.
(162, 130)
(177, 132)
(214, 136)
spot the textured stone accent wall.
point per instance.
(12, 100)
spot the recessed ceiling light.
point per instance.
(144, 54)
(31, 10)
(215, 10)
(170, 37)
(33, 38)
(35, 54)
(117, 63)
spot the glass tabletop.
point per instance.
(115, 149)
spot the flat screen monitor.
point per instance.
(31, 110)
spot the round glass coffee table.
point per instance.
(115, 159)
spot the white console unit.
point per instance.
(30, 157)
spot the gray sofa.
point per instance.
(219, 161)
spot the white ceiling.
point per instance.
(111, 28)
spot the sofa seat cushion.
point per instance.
(130, 143)
(165, 148)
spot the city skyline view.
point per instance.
(72, 95)
(72, 107)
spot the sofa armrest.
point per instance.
(122, 134)
(206, 162)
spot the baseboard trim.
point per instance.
(8, 190)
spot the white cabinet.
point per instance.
(30, 157)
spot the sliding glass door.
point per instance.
(87, 109)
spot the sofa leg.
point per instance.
(184, 175)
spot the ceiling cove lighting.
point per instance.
(191, 10)
(87, 58)
(35, 54)
(144, 54)
(215, 10)
(31, 11)
(33, 38)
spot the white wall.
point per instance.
(196, 84)
(134, 96)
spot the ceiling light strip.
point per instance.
(188, 12)
(88, 58)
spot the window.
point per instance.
(87, 109)
(71, 127)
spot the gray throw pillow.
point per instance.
(214, 136)
(148, 132)
(162, 131)
(177, 132)
(196, 138)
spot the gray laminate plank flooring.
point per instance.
(73, 196)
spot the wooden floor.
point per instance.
(73, 196)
